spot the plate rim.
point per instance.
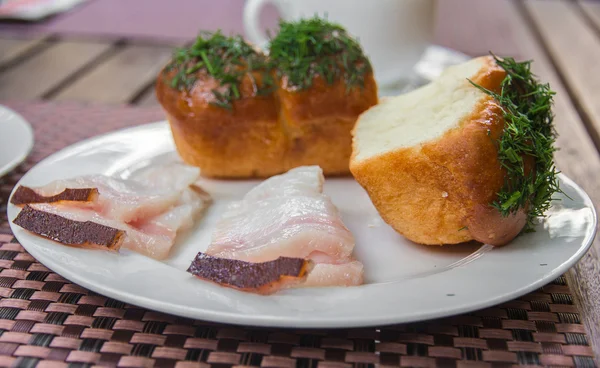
(17, 160)
(269, 321)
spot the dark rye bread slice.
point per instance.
(69, 232)
(25, 195)
(262, 278)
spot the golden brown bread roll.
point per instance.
(429, 159)
(223, 135)
(245, 141)
(273, 121)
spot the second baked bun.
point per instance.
(318, 122)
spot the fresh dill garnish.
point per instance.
(227, 59)
(528, 132)
(307, 48)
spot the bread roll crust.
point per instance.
(318, 122)
(439, 192)
(265, 135)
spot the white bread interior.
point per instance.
(421, 115)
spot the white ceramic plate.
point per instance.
(16, 139)
(404, 281)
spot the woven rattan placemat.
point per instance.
(46, 321)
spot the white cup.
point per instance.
(393, 33)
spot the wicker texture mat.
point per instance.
(46, 321)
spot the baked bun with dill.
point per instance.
(219, 101)
(236, 113)
(467, 157)
(324, 83)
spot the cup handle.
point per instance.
(252, 11)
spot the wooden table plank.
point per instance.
(575, 48)
(11, 48)
(44, 71)
(592, 10)
(481, 31)
(120, 78)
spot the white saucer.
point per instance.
(16, 140)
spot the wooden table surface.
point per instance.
(562, 37)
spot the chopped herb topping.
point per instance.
(227, 59)
(310, 47)
(528, 131)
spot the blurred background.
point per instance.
(110, 50)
